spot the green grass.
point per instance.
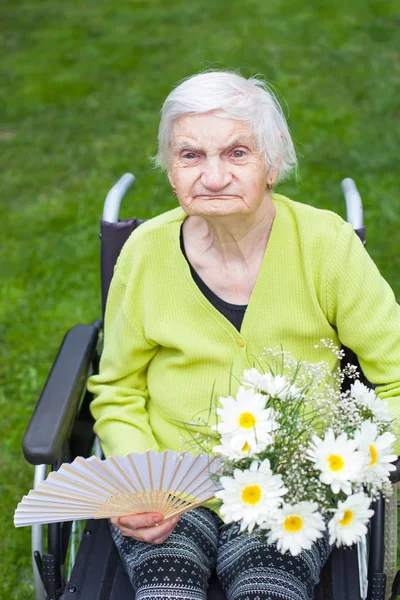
(82, 85)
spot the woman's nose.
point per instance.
(215, 176)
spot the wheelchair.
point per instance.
(80, 561)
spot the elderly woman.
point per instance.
(201, 290)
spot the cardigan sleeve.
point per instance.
(122, 421)
(362, 307)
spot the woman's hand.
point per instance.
(145, 527)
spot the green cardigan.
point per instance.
(166, 346)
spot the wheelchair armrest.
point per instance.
(395, 475)
(59, 401)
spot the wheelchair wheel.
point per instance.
(390, 562)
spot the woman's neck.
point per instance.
(234, 240)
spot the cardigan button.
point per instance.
(240, 342)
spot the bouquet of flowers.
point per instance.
(298, 455)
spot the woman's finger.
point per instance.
(150, 534)
(159, 541)
(139, 521)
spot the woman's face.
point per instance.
(216, 167)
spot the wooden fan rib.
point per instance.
(181, 510)
(129, 482)
(180, 466)
(67, 485)
(180, 500)
(49, 506)
(39, 493)
(151, 501)
(175, 472)
(172, 505)
(186, 497)
(210, 489)
(149, 466)
(197, 491)
(207, 466)
(89, 469)
(132, 464)
(170, 469)
(69, 478)
(107, 468)
(70, 515)
(46, 519)
(40, 510)
(163, 467)
(58, 500)
(161, 501)
(124, 504)
(88, 476)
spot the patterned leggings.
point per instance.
(179, 569)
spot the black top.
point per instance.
(233, 312)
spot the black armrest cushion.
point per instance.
(58, 404)
(395, 475)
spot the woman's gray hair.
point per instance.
(248, 100)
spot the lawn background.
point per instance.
(82, 86)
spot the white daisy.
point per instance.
(337, 459)
(350, 519)
(232, 447)
(377, 448)
(251, 496)
(367, 397)
(251, 377)
(296, 527)
(275, 386)
(246, 421)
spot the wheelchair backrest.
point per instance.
(113, 236)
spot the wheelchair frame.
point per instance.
(61, 428)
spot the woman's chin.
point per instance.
(224, 207)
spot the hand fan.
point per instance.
(168, 482)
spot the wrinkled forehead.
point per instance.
(210, 130)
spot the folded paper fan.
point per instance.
(168, 483)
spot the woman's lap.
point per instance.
(247, 568)
(250, 569)
(180, 567)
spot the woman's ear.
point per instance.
(272, 177)
(273, 174)
(171, 179)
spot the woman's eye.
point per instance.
(238, 153)
(189, 155)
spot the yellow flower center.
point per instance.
(251, 494)
(374, 455)
(293, 524)
(336, 463)
(247, 420)
(347, 518)
(246, 447)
